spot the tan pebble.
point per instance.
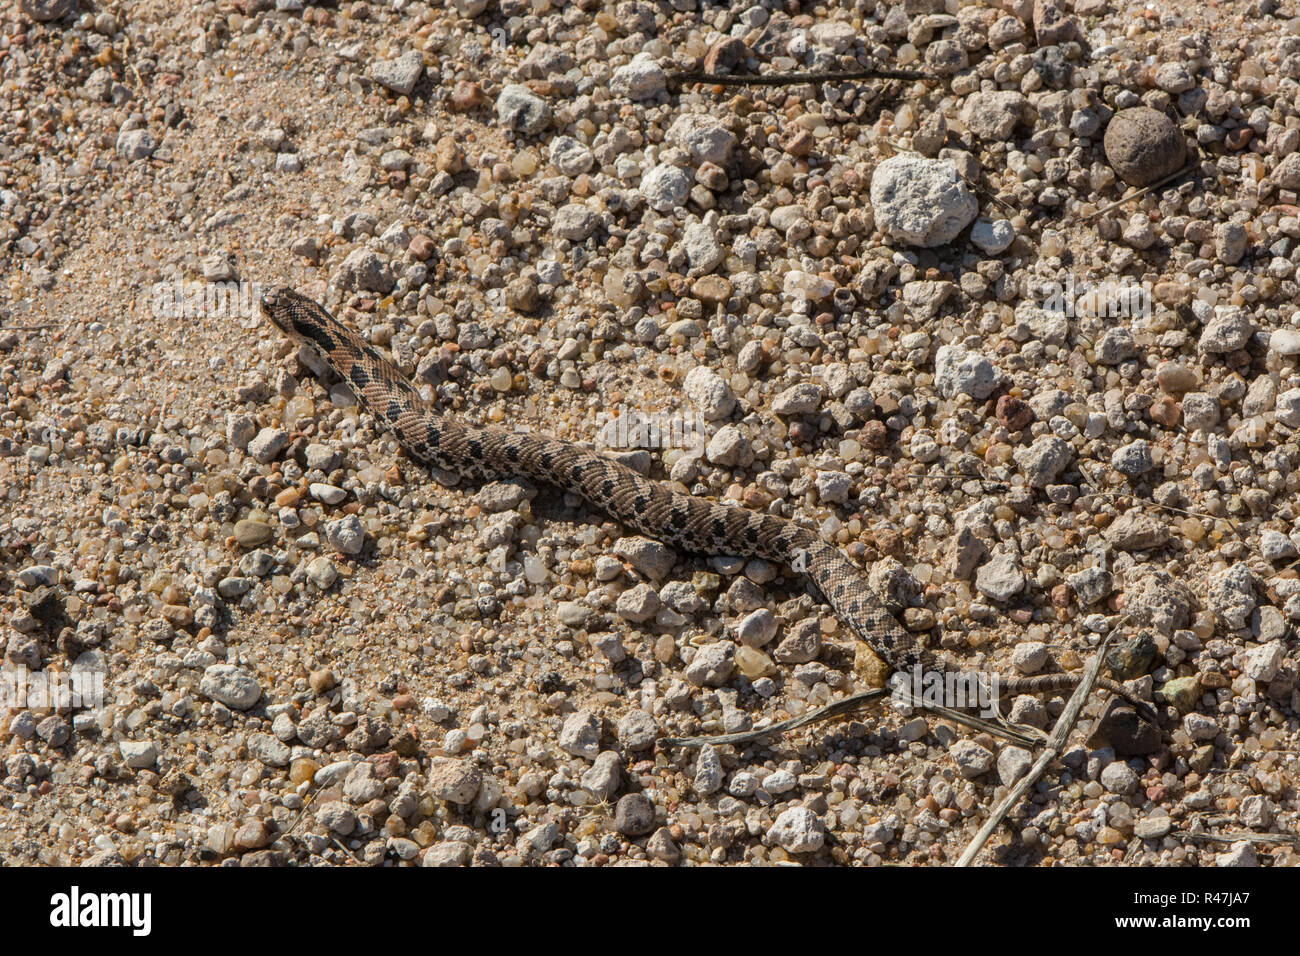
(322, 680)
(1165, 412)
(665, 648)
(302, 770)
(251, 534)
(178, 614)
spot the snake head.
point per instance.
(279, 306)
(301, 319)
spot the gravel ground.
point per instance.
(914, 314)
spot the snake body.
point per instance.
(683, 521)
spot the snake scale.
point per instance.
(677, 519)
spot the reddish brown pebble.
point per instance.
(874, 435)
(1014, 414)
(1238, 138)
(422, 247)
(1165, 412)
(466, 96)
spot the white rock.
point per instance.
(958, 371)
(1261, 663)
(641, 79)
(665, 187)
(798, 830)
(992, 236)
(923, 202)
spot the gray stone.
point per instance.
(456, 781)
(712, 665)
(231, 685)
(580, 735)
(522, 110)
(1001, 578)
(138, 754)
(798, 830)
(641, 79)
(961, 372)
(634, 815)
(972, 760)
(922, 202)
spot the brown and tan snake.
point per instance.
(681, 520)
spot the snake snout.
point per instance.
(270, 300)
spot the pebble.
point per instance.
(797, 830)
(992, 236)
(712, 665)
(992, 116)
(401, 74)
(637, 730)
(958, 371)
(665, 187)
(642, 78)
(135, 144)
(604, 777)
(1013, 763)
(454, 780)
(972, 760)
(1231, 595)
(921, 202)
(523, 111)
(634, 815)
(580, 735)
(268, 443)
(800, 399)
(1143, 145)
(1001, 578)
(1228, 331)
(1029, 657)
(138, 754)
(230, 685)
(346, 535)
(708, 771)
(251, 534)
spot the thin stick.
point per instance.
(298, 819)
(1055, 744)
(790, 79)
(844, 706)
(1246, 836)
(1144, 190)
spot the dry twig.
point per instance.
(1055, 745)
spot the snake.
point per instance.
(689, 523)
